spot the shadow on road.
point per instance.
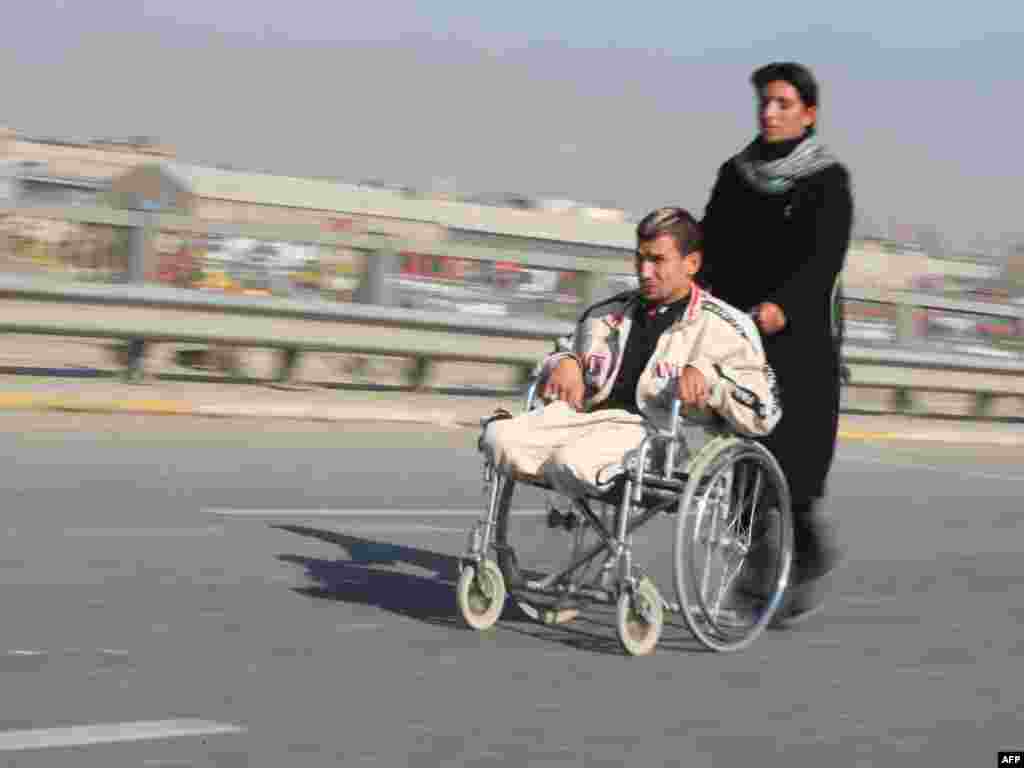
(371, 576)
(66, 372)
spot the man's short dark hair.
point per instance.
(678, 223)
(797, 75)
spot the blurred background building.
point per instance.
(144, 174)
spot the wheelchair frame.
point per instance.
(701, 485)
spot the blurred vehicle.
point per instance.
(540, 281)
(180, 268)
(217, 280)
(862, 330)
(503, 288)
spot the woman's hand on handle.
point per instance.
(769, 318)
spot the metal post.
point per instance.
(982, 405)
(138, 246)
(289, 362)
(905, 323)
(135, 363)
(419, 375)
(377, 286)
(902, 400)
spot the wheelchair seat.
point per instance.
(612, 494)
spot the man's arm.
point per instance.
(560, 373)
(565, 347)
(741, 386)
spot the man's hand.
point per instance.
(566, 383)
(692, 387)
(769, 318)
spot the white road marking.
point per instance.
(342, 413)
(356, 627)
(66, 652)
(868, 601)
(110, 733)
(935, 468)
(308, 513)
(394, 527)
(141, 533)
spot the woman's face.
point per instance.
(782, 114)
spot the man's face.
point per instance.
(664, 273)
(782, 114)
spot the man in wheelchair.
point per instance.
(614, 380)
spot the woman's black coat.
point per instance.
(789, 249)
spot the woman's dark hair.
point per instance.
(678, 223)
(797, 75)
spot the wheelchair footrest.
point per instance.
(498, 415)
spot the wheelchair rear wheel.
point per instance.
(733, 548)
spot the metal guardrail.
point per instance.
(919, 300)
(429, 335)
(21, 288)
(146, 315)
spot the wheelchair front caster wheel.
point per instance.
(639, 618)
(480, 594)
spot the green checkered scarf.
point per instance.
(777, 176)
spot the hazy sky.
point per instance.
(631, 104)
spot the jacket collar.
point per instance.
(616, 319)
(696, 298)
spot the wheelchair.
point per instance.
(731, 555)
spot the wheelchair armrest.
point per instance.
(671, 453)
(535, 387)
(677, 410)
(533, 391)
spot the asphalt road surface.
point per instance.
(185, 592)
